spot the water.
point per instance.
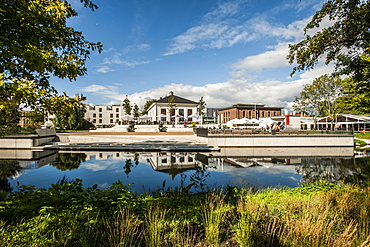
(153, 171)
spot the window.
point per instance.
(100, 121)
(163, 111)
(117, 115)
(94, 120)
(190, 111)
(111, 115)
(181, 112)
(100, 109)
(117, 109)
(100, 115)
(94, 115)
(111, 121)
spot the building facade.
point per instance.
(249, 111)
(184, 110)
(101, 115)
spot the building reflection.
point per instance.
(242, 163)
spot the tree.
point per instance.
(36, 43)
(201, 107)
(127, 106)
(343, 42)
(69, 112)
(136, 111)
(356, 98)
(18, 94)
(147, 104)
(320, 98)
(172, 104)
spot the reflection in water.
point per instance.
(354, 171)
(68, 161)
(9, 168)
(195, 171)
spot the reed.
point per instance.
(154, 227)
(124, 230)
(312, 215)
(215, 211)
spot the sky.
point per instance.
(227, 51)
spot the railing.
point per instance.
(275, 132)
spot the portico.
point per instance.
(173, 109)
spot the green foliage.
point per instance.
(320, 97)
(17, 94)
(67, 214)
(127, 106)
(147, 105)
(35, 43)
(172, 104)
(131, 127)
(356, 90)
(69, 112)
(342, 42)
(363, 135)
(162, 128)
(135, 111)
(201, 107)
(360, 142)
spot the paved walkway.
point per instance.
(131, 141)
(126, 133)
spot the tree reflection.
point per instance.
(346, 170)
(198, 178)
(9, 168)
(127, 166)
(68, 161)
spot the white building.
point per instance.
(185, 110)
(104, 115)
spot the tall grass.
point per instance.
(124, 230)
(155, 225)
(312, 215)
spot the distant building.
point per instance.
(345, 122)
(210, 116)
(249, 111)
(101, 115)
(185, 110)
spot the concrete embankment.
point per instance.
(182, 140)
(329, 140)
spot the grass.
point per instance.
(361, 135)
(313, 214)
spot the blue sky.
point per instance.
(228, 52)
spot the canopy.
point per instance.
(128, 117)
(144, 117)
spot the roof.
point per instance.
(178, 100)
(349, 118)
(251, 106)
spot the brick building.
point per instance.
(247, 111)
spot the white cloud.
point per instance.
(104, 69)
(114, 58)
(317, 71)
(210, 35)
(270, 59)
(224, 94)
(224, 27)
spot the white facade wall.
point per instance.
(104, 115)
(184, 110)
